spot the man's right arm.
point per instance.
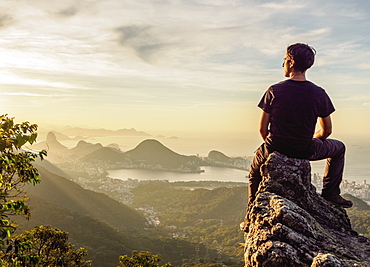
(264, 123)
(326, 128)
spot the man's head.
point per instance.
(299, 56)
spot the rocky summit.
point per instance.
(290, 224)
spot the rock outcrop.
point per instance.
(290, 224)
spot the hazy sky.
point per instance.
(176, 65)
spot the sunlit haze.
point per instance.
(183, 68)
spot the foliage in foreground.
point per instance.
(16, 169)
(141, 259)
(43, 246)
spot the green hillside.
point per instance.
(359, 215)
(183, 207)
(358, 204)
(202, 216)
(103, 243)
(67, 194)
(105, 227)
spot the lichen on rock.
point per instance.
(290, 224)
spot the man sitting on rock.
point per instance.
(290, 110)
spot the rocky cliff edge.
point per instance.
(289, 224)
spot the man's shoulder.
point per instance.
(284, 83)
(315, 85)
(277, 85)
(292, 83)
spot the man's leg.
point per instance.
(255, 177)
(333, 151)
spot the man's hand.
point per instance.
(326, 128)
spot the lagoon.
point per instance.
(210, 173)
(352, 173)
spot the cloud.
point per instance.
(364, 66)
(142, 40)
(5, 20)
(283, 6)
(68, 12)
(199, 51)
(356, 10)
(28, 94)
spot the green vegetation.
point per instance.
(16, 169)
(359, 215)
(185, 207)
(106, 228)
(209, 219)
(117, 229)
(141, 259)
(43, 246)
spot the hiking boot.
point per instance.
(339, 201)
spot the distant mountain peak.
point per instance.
(51, 137)
(151, 142)
(151, 151)
(154, 148)
(81, 143)
(218, 156)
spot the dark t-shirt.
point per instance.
(294, 107)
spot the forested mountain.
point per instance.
(191, 221)
(359, 215)
(152, 152)
(103, 242)
(69, 195)
(184, 207)
(209, 218)
(105, 227)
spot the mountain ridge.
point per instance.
(153, 152)
(103, 226)
(97, 205)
